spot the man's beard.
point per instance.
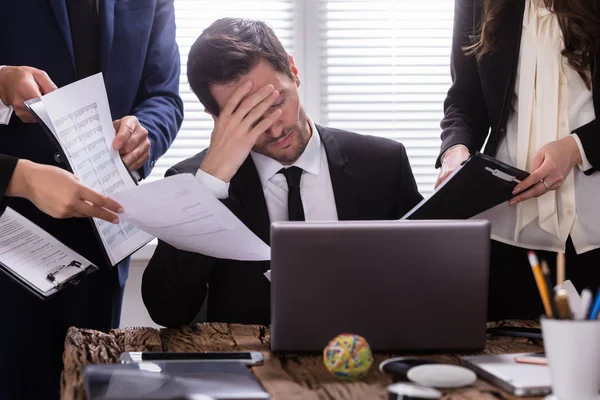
(300, 131)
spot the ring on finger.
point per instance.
(545, 184)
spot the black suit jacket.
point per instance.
(481, 92)
(7, 167)
(371, 179)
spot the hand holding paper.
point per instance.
(183, 213)
(132, 142)
(19, 83)
(59, 193)
(78, 118)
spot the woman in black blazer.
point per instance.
(54, 191)
(526, 78)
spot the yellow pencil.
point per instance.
(541, 283)
(560, 269)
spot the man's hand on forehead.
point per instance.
(243, 119)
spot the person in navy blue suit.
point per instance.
(48, 44)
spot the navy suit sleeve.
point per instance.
(465, 113)
(158, 105)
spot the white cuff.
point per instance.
(585, 164)
(450, 148)
(5, 111)
(136, 176)
(219, 188)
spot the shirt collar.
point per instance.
(309, 160)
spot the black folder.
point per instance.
(480, 183)
(68, 167)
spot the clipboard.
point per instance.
(59, 286)
(480, 183)
(76, 265)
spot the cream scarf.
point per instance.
(542, 114)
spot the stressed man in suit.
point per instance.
(49, 44)
(267, 161)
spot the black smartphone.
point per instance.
(245, 357)
(514, 331)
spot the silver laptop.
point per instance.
(402, 285)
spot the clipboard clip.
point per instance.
(502, 175)
(52, 274)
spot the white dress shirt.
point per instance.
(573, 208)
(5, 111)
(316, 190)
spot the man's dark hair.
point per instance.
(228, 49)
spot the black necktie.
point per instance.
(83, 19)
(295, 208)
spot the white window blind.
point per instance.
(384, 70)
(192, 17)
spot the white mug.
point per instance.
(573, 353)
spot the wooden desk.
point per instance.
(285, 377)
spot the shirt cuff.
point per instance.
(450, 148)
(217, 187)
(5, 111)
(585, 164)
(136, 176)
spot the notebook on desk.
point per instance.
(503, 371)
(480, 183)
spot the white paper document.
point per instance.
(182, 212)
(79, 117)
(31, 253)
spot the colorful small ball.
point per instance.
(348, 356)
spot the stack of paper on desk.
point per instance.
(77, 117)
(182, 212)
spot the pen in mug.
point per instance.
(560, 269)
(541, 284)
(561, 299)
(584, 309)
(595, 307)
(548, 280)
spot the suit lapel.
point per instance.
(59, 7)
(343, 180)
(248, 191)
(107, 29)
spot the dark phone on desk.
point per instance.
(245, 357)
(530, 333)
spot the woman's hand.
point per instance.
(551, 165)
(59, 193)
(452, 159)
